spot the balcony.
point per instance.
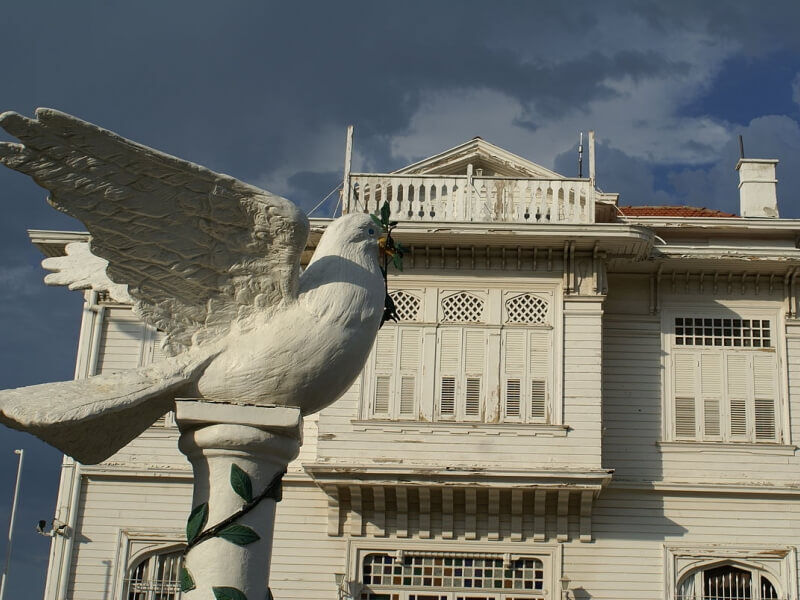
(467, 198)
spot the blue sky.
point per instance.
(264, 91)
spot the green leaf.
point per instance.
(228, 593)
(187, 583)
(377, 221)
(196, 522)
(241, 484)
(386, 212)
(397, 260)
(239, 535)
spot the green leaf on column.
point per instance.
(239, 535)
(187, 583)
(228, 593)
(196, 522)
(385, 213)
(377, 221)
(241, 484)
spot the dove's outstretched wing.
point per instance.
(196, 248)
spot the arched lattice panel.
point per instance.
(527, 308)
(462, 307)
(407, 305)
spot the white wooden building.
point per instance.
(578, 396)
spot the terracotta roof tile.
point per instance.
(672, 211)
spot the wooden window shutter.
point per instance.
(385, 351)
(474, 365)
(539, 353)
(738, 369)
(684, 386)
(410, 356)
(765, 394)
(711, 390)
(158, 351)
(514, 369)
(449, 369)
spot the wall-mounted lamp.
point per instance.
(564, 581)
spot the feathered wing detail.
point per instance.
(79, 269)
(196, 248)
(91, 419)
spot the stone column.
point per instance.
(238, 455)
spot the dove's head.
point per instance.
(351, 235)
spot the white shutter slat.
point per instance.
(449, 369)
(737, 366)
(385, 343)
(158, 351)
(515, 352)
(513, 397)
(385, 354)
(711, 390)
(474, 365)
(408, 394)
(539, 352)
(684, 364)
(472, 402)
(383, 385)
(410, 357)
(447, 403)
(514, 349)
(764, 389)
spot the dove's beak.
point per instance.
(383, 249)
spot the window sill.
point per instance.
(728, 447)
(473, 429)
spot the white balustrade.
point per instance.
(479, 199)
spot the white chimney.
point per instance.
(758, 195)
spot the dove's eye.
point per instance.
(371, 231)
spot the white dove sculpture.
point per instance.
(211, 261)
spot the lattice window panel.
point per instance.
(407, 305)
(462, 308)
(381, 570)
(526, 308)
(735, 333)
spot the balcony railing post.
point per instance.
(468, 215)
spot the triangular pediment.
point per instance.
(491, 159)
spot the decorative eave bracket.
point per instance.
(430, 504)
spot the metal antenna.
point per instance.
(741, 147)
(580, 155)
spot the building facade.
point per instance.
(579, 400)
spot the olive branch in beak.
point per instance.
(389, 250)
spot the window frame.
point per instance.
(495, 296)
(723, 309)
(134, 545)
(777, 563)
(549, 554)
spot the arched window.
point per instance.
(155, 577)
(726, 582)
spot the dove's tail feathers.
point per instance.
(91, 419)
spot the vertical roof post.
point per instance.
(348, 159)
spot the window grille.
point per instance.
(156, 577)
(407, 305)
(526, 308)
(734, 333)
(380, 571)
(726, 583)
(462, 308)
